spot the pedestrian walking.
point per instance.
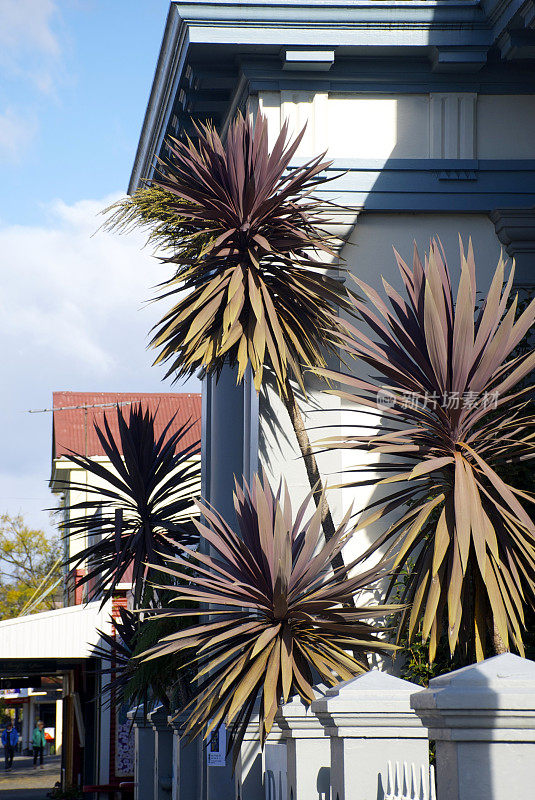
(38, 741)
(10, 738)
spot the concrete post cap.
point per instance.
(372, 691)
(159, 718)
(505, 681)
(295, 715)
(177, 722)
(375, 705)
(492, 700)
(138, 715)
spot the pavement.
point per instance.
(25, 783)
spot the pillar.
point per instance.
(370, 722)
(163, 753)
(307, 750)
(144, 755)
(275, 769)
(249, 774)
(25, 734)
(482, 718)
(515, 228)
(59, 726)
(221, 460)
(32, 719)
(186, 762)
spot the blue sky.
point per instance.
(75, 77)
(73, 93)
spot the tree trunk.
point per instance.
(498, 643)
(313, 472)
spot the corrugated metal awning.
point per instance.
(65, 634)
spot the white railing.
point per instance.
(408, 783)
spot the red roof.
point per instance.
(75, 413)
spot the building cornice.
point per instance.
(453, 34)
(168, 70)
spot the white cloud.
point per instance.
(30, 47)
(27, 26)
(16, 131)
(69, 294)
(72, 316)
(30, 53)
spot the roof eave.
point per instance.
(392, 23)
(168, 70)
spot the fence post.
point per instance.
(249, 778)
(163, 753)
(144, 754)
(308, 753)
(261, 775)
(482, 718)
(370, 722)
(186, 783)
(275, 771)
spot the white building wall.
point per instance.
(506, 126)
(381, 127)
(369, 256)
(363, 126)
(366, 125)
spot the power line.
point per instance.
(71, 408)
(85, 409)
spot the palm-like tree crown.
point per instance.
(447, 388)
(245, 235)
(137, 509)
(281, 618)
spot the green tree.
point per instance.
(29, 567)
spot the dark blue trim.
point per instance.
(389, 76)
(433, 185)
(429, 164)
(415, 39)
(433, 202)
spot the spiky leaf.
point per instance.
(151, 482)
(247, 241)
(281, 615)
(457, 412)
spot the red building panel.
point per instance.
(75, 415)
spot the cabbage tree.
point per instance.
(249, 287)
(448, 409)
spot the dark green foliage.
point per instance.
(140, 507)
(133, 683)
(413, 653)
(30, 568)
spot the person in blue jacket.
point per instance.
(10, 738)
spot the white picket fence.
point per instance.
(408, 783)
(404, 781)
